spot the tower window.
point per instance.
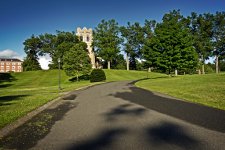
(81, 38)
(88, 38)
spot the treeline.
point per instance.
(63, 47)
(177, 44)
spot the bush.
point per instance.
(97, 75)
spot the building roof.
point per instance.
(10, 59)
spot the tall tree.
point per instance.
(171, 48)
(32, 48)
(106, 40)
(219, 37)
(149, 29)
(201, 27)
(133, 36)
(76, 60)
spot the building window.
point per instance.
(13, 67)
(88, 39)
(2, 63)
(81, 38)
(7, 67)
(13, 63)
(2, 66)
(7, 63)
(19, 67)
(19, 63)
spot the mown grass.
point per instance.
(204, 89)
(124, 75)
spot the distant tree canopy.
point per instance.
(177, 43)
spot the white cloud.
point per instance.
(8, 53)
(44, 61)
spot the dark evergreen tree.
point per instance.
(171, 48)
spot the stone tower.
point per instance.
(86, 36)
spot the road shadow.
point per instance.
(123, 110)
(6, 100)
(103, 140)
(194, 113)
(69, 97)
(27, 135)
(171, 134)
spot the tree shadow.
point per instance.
(149, 78)
(172, 134)
(5, 85)
(6, 77)
(81, 78)
(4, 100)
(27, 135)
(101, 141)
(123, 110)
(194, 113)
(69, 97)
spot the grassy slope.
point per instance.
(205, 89)
(124, 75)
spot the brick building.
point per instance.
(7, 65)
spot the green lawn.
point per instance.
(33, 89)
(122, 75)
(205, 89)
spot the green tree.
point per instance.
(57, 45)
(171, 48)
(219, 37)
(32, 47)
(77, 61)
(133, 36)
(201, 27)
(106, 40)
(149, 55)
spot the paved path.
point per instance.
(119, 116)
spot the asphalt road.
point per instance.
(120, 116)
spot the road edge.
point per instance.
(20, 121)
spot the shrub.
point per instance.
(97, 75)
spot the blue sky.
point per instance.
(19, 19)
